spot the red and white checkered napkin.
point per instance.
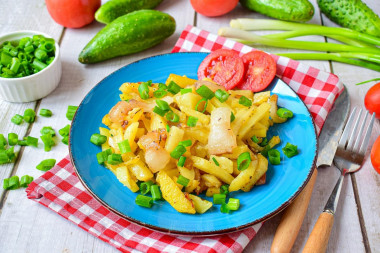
(60, 189)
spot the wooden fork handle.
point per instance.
(319, 237)
(292, 219)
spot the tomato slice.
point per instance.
(224, 67)
(375, 155)
(260, 71)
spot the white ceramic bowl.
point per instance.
(33, 87)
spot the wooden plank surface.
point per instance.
(28, 227)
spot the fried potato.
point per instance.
(211, 168)
(182, 81)
(211, 180)
(175, 136)
(224, 163)
(244, 177)
(200, 205)
(124, 176)
(261, 169)
(141, 171)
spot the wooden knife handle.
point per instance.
(319, 237)
(292, 219)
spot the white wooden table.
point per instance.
(26, 226)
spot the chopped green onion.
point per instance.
(25, 180)
(64, 131)
(167, 128)
(29, 115)
(144, 201)
(183, 180)
(17, 119)
(221, 95)
(274, 156)
(181, 161)
(22, 143)
(255, 139)
(102, 156)
(205, 92)
(203, 100)
(232, 118)
(264, 152)
(162, 86)
(155, 191)
(224, 208)
(159, 111)
(124, 146)
(264, 142)
(233, 204)
(173, 88)
(163, 105)
(192, 121)
(3, 142)
(71, 109)
(12, 139)
(144, 91)
(3, 157)
(47, 130)
(186, 143)
(46, 113)
(219, 198)
(160, 93)
(172, 117)
(184, 91)
(32, 141)
(10, 153)
(11, 183)
(48, 141)
(114, 159)
(145, 187)
(178, 151)
(284, 113)
(65, 140)
(215, 161)
(46, 164)
(224, 189)
(98, 139)
(245, 101)
(243, 161)
(290, 150)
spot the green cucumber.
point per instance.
(289, 10)
(116, 8)
(353, 14)
(128, 34)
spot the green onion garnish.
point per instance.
(32, 141)
(264, 142)
(167, 128)
(274, 156)
(178, 151)
(192, 121)
(11, 154)
(183, 180)
(155, 191)
(48, 141)
(65, 140)
(124, 146)
(102, 156)
(255, 139)
(172, 117)
(46, 164)
(205, 92)
(64, 131)
(232, 118)
(284, 113)
(3, 157)
(233, 204)
(22, 143)
(215, 161)
(173, 88)
(219, 198)
(184, 91)
(181, 161)
(46, 113)
(163, 105)
(11, 183)
(25, 180)
(290, 150)
(245, 101)
(243, 161)
(29, 115)
(224, 189)
(144, 201)
(71, 109)
(98, 139)
(200, 102)
(3, 142)
(162, 86)
(186, 143)
(264, 152)
(12, 139)
(144, 91)
(159, 111)
(160, 93)
(224, 208)
(221, 95)
(17, 119)
(114, 159)
(145, 187)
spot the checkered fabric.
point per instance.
(60, 189)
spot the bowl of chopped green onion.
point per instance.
(30, 66)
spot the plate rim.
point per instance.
(180, 232)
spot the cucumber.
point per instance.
(128, 34)
(116, 8)
(289, 10)
(353, 14)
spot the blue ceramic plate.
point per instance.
(284, 181)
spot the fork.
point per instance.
(348, 159)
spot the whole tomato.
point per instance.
(372, 100)
(375, 155)
(213, 8)
(72, 13)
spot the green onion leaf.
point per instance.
(47, 130)
(215, 161)
(224, 189)
(3, 142)
(163, 105)
(219, 198)
(46, 113)
(167, 128)
(145, 187)
(159, 93)
(17, 119)
(243, 161)
(183, 180)
(264, 152)
(11, 183)
(172, 117)
(12, 139)
(186, 143)
(98, 139)
(255, 139)
(48, 141)
(102, 156)
(224, 208)
(232, 117)
(144, 201)
(22, 143)
(178, 151)
(290, 150)
(65, 140)
(162, 86)
(155, 191)
(32, 141)
(274, 156)
(173, 88)
(184, 91)
(233, 204)
(64, 131)
(29, 115)
(264, 142)
(245, 101)
(284, 113)
(46, 164)
(203, 102)
(71, 109)
(205, 92)
(124, 146)
(114, 159)
(192, 121)
(11, 154)
(181, 161)
(221, 95)
(25, 180)
(159, 111)
(144, 91)
(3, 157)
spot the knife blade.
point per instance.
(328, 139)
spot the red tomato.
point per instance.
(260, 71)
(375, 155)
(213, 8)
(223, 66)
(372, 100)
(72, 13)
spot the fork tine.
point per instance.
(347, 128)
(357, 142)
(354, 134)
(364, 145)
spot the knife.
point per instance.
(294, 214)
